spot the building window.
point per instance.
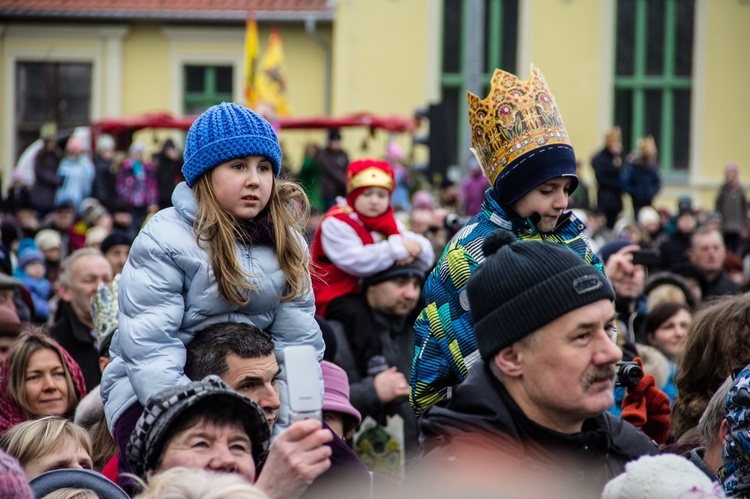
(206, 86)
(653, 71)
(500, 28)
(50, 91)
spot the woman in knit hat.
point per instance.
(360, 236)
(230, 249)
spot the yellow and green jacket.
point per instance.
(444, 342)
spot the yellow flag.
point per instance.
(270, 83)
(251, 57)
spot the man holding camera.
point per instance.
(533, 414)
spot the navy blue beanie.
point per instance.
(227, 131)
(534, 168)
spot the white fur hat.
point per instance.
(665, 476)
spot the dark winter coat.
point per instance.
(481, 406)
(609, 194)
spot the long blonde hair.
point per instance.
(218, 231)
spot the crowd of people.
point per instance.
(504, 336)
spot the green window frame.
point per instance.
(500, 35)
(653, 76)
(205, 86)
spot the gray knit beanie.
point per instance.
(522, 286)
(224, 132)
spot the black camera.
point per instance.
(628, 374)
(455, 222)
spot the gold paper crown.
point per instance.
(370, 177)
(515, 118)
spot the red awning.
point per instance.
(130, 124)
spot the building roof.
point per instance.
(167, 10)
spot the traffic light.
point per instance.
(440, 139)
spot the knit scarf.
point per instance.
(258, 231)
(384, 223)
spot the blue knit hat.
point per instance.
(228, 131)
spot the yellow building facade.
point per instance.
(384, 56)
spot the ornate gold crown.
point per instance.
(515, 118)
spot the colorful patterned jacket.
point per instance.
(444, 342)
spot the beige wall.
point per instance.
(570, 57)
(385, 54)
(381, 59)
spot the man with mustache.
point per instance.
(533, 414)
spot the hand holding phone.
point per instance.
(303, 384)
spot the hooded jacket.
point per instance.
(444, 342)
(168, 292)
(481, 406)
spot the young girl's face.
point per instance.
(549, 200)
(243, 186)
(372, 202)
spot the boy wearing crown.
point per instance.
(520, 140)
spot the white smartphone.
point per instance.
(303, 384)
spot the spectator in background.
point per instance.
(606, 166)
(49, 242)
(333, 162)
(310, 177)
(103, 187)
(12, 293)
(61, 220)
(77, 173)
(400, 199)
(10, 327)
(640, 176)
(80, 274)
(707, 253)
(473, 188)
(46, 444)
(136, 184)
(38, 379)
(46, 162)
(168, 164)
(116, 248)
(731, 204)
(30, 272)
(675, 249)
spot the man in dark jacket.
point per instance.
(606, 165)
(375, 343)
(333, 161)
(707, 252)
(533, 415)
(80, 275)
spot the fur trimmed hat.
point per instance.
(524, 285)
(224, 132)
(148, 439)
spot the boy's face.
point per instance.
(372, 202)
(549, 200)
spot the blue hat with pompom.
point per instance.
(224, 132)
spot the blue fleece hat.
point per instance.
(30, 255)
(228, 131)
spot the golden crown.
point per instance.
(514, 119)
